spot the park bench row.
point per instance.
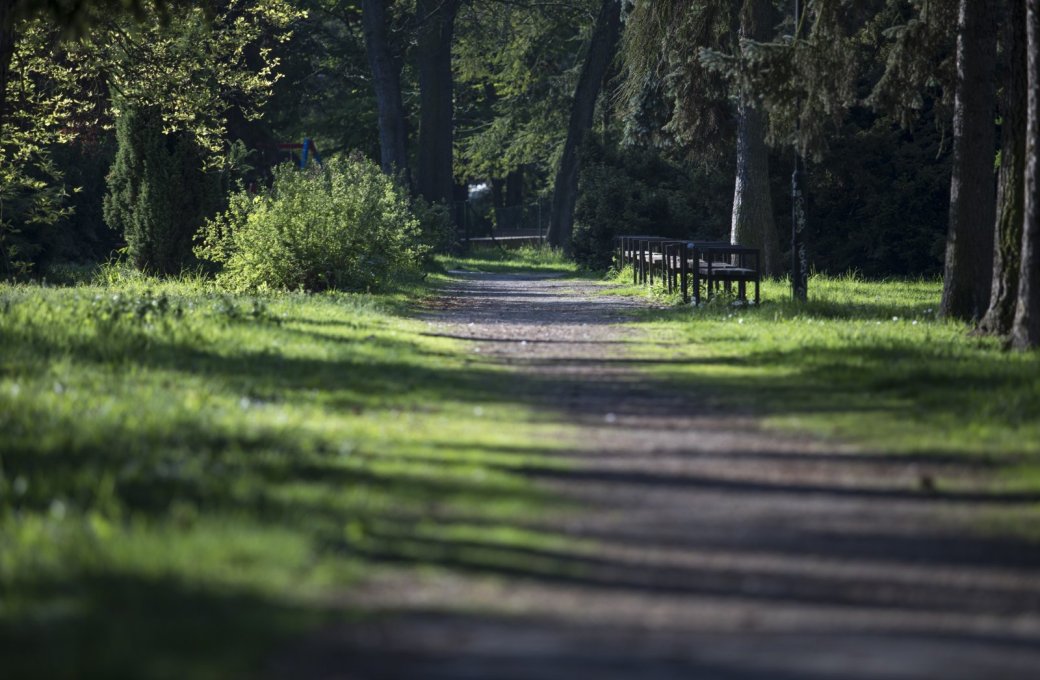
(688, 265)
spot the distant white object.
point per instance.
(478, 190)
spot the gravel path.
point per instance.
(718, 550)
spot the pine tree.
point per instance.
(662, 42)
(158, 194)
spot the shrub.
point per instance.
(32, 201)
(436, 226)
(158, 194)
(345, 226)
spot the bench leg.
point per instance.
(684, 273)
(666, 263)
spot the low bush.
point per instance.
(436, 226)
(344, 226)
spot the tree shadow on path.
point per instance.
(701, 545)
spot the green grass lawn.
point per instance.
(529, 259)
(863, 361)
(186, 475)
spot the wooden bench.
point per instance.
(685, 264)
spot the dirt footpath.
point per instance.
(705, 547)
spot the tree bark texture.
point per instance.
(752, 222)
(1025, 334)
(969, 239)
(386, 81)
(1007, 252)
(602, 47)
(434, 173)
(515, 188)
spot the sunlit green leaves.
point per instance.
(198, 67)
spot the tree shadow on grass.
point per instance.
(125, 626)
(916, 385)
(398, 506)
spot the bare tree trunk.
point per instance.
(969, 240)
(8, 40)
(752, 221)
(515, 187)
(1025, 334)
(602, 47)
(434, 165)
(1007, 253)
(386, 80)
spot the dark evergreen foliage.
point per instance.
(158, 194)
(82, 236)
(879, 199)
(636, 190)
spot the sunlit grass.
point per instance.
(865, 361)
(196, 466)
(525, 258)
(187, 477)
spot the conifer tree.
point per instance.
(660, 39)
(158, 194)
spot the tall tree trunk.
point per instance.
(1007, 254)
(969, 240)
(386, 80)
(515, 187)
(434, 172)
(752, 221)
(1025, 334)
(602, 47)
(7, 45)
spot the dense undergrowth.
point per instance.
(187, 474)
